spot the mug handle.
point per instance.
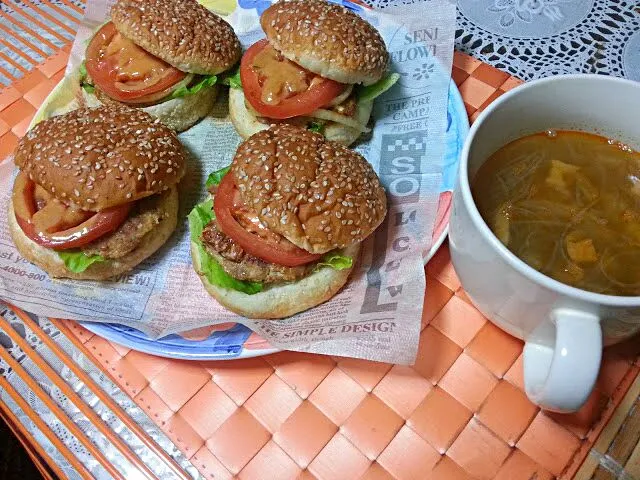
(561, 378)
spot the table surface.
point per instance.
(85, 407)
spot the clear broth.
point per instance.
(568, 204)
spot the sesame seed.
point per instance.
(364, 49)
(83, 151)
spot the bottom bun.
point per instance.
(49, 261)
(179, 114)
(247, 124)
(280, 300)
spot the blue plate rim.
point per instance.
(114, 333)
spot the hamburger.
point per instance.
(282, 228)
(96, 193)
(162, 56)
(320, 67)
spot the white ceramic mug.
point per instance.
(564, 327)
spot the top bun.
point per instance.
(316, 193)
(326, 39)
(183, 33)
(103, 157)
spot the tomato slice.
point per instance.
(124, 71)
(319, 94)
(23, 197)
(53, 216)
(86, 231)
(282, 252)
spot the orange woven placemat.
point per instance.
(459, 412)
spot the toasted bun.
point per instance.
(280, 300)
(244, 121)
(247, 124)
(103, 157)
(49, 261)
(327, 39)
(180, 32)
(316, 193)
(180, 114)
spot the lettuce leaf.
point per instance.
(216, 177)
(82, 70)
(233, 81)
(370, 93)
(205, 82)
(316, 127)
(335, 261)
(77, 261)
(199, 218)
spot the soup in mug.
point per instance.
(568, 204)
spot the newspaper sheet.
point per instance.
(377, 315)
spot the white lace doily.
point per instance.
(527, 38)
(537, 38)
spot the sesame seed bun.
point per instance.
(103, 157)
(326, 39)
(284, 299)
(49, 261)
(179, 114)
(247, 124)
(316, 193)
(183, 33)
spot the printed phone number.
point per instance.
(23, 273)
